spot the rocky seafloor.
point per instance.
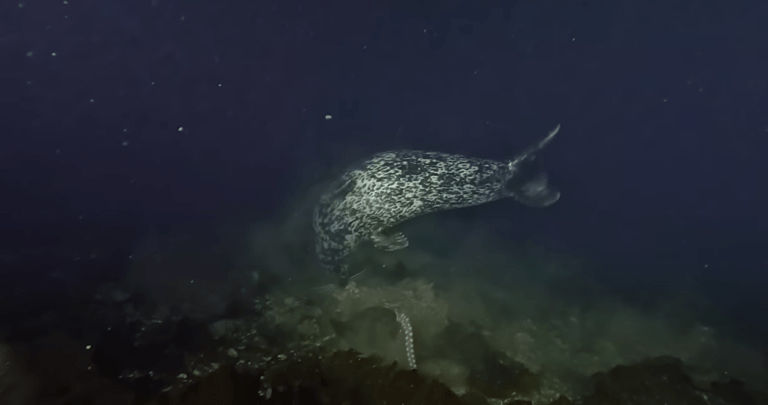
(391, 344)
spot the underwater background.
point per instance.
(160, 161)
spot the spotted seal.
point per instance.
(392, 187)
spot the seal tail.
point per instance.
(530, 153)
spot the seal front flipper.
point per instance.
(394, 241)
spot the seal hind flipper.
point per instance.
(391, 242)
(527, 189)
(536, 192)
(530, 153)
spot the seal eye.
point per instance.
(342, 272)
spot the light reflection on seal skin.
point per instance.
(392, 187)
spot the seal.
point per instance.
(391, 187)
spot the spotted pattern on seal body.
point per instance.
(392, 187)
